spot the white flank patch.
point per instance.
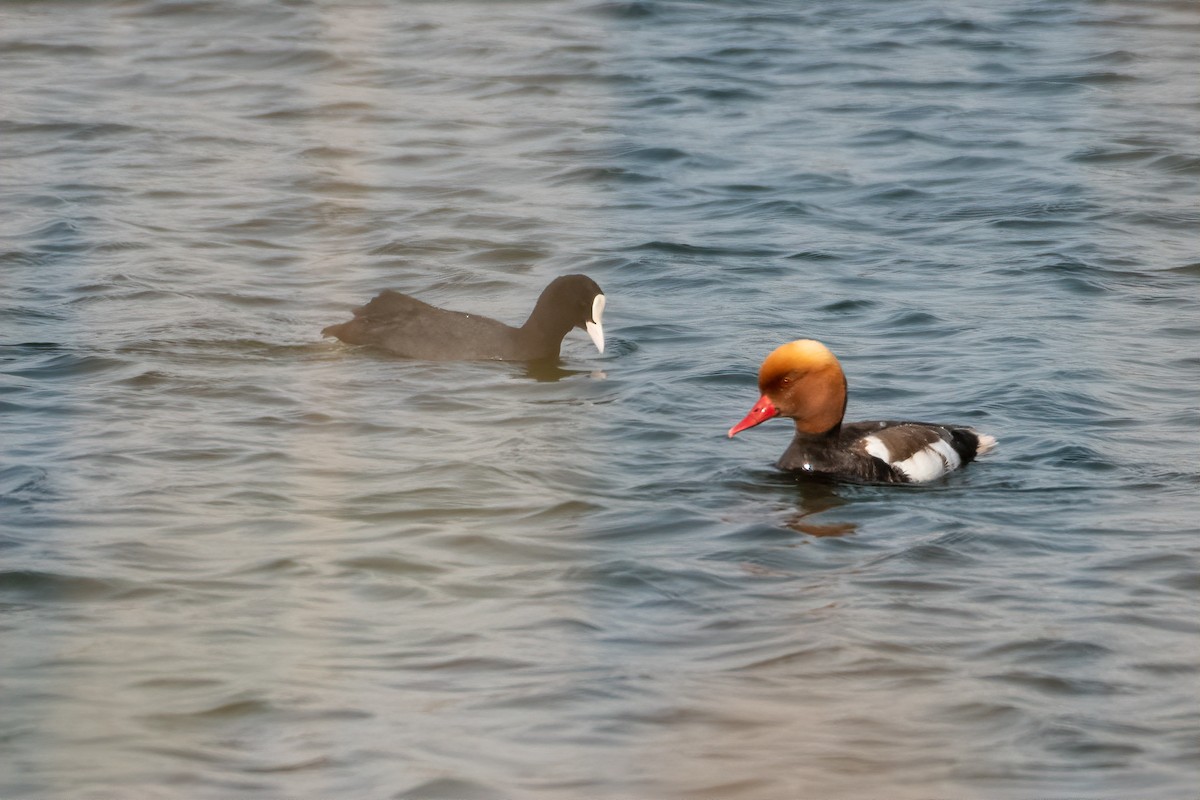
(877, 448)
(931, 461)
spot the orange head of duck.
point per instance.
(801, 380)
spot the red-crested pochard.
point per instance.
(804, 381)
(411, 328)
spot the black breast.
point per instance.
(831, 455)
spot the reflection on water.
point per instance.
(817, 498)
(554, 371)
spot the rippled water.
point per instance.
(237, 560)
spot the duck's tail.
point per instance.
(985, 442)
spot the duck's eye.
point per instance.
(785, 382)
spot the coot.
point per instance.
(411, 328)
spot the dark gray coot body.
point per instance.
(411, 328)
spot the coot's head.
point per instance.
(575, 301)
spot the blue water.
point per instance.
(237, 560)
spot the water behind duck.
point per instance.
(240, 560)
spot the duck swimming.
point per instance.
(408, 327)
(804, 381)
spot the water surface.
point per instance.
(237, 560)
